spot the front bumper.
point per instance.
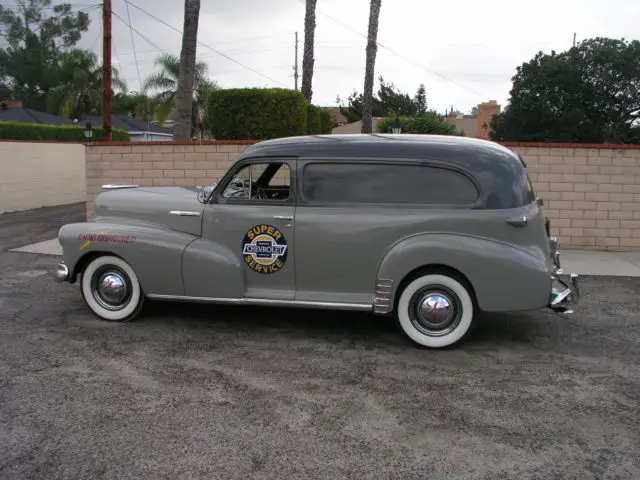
(61, 273)
(564, 293)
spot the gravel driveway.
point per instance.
(239, 392)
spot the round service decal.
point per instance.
(264, 249)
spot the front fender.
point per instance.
(504, 278)
(155, 253)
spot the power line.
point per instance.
(400, 55)
(154, 45)
(133, 44)
(207, 46)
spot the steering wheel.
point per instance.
(260, 194)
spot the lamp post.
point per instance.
(88, 131)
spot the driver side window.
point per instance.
(260, 181)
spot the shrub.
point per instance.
(256, 113)
(426, 123)
(319, 121)
(313, 120)
(326, 122)
(61, 133)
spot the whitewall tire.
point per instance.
(111, 289)
(435, 311)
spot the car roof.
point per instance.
(389, 146)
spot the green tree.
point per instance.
(388, 99)
(79, 92)
(420, 99)
(37, 35)
(587, 94)
(136, 104)
(165, 84)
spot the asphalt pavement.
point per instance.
(241, 393)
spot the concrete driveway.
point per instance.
(238, 393)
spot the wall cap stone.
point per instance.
(611, 146)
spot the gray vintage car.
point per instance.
(429, 229)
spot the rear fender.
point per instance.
(503, 277)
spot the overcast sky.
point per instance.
(464, 51)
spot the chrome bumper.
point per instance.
(61, 273)
(564, 294)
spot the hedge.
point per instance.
(319, 121)
(426, 123)
(67, 133)
(256, 113)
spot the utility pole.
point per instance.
(295, 67)
(107, 92)
(574, 39)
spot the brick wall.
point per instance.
(591, 192)
(157, 164)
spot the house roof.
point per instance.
(28, 115)
(336, 114)
(130, 124)
(121, 121)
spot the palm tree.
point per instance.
(165, 82)
(183, 126)
(307, 58)
(372, 47)
(80, 93)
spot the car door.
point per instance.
(252, 213)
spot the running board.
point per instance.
(364, 307)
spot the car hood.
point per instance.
(153, 205)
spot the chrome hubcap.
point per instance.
(435, 311)
(111, 289)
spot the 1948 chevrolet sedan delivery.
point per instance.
(430, 229)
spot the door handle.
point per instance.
(182, 213)
(518, 221)
(283, 217)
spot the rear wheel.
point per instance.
(435, 310)
(111, 289)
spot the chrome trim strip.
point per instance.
(264, 302)
(112, 187)
(382, 296)
(183, 213)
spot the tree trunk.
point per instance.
(184, 95)
(307, 58)
(372, 47)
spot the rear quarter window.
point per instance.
(386, 184)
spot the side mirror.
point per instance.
(540, 201)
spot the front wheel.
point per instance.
(435, 310)
(111, 289)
